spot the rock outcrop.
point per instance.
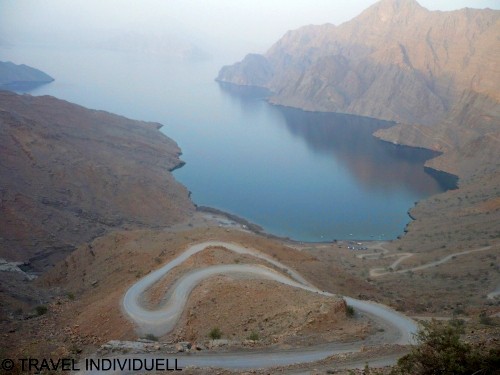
(70, 174)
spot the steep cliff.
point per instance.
(69, 174)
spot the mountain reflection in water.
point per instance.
(349, 139)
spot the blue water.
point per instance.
(307, 176)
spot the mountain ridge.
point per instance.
(432, 55)
(12, 75)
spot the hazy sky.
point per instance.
(257, 23)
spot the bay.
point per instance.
(307, 176)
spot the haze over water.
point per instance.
(307, 176)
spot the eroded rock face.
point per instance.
(395, 61)
(69, 174)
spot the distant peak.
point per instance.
(388, 9)
(399, 4)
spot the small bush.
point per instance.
(459, 324)
(349, 311)
(458, 311)
(485, 319)
(41, 310)
(440, 350)
(254, 336)
(215, 333)
(71, 296)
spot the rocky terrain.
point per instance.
(70, 174)
(13, 76)
(83, 294)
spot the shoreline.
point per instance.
(258, 230)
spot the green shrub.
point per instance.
(440, 350)
(254, 336)
(349, 311)
(215, 333)
(485, 319)
(41, 310)
(459, 324)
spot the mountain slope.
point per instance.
(69, 174)
(469, 137)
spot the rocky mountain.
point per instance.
(395, 61)
(70, 174)
(469, 137)
(12, 75)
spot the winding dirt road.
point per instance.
(398, 329)
(376, 272)
(164, 319)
